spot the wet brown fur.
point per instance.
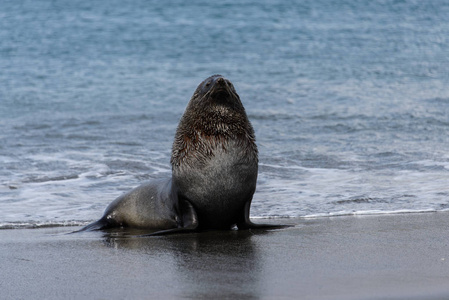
(208, 125)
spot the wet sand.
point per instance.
(401, 256)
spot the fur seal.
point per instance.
(214, 171)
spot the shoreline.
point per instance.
(387, 256)
(294, 220)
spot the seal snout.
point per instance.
(221, 80)
(221, 85)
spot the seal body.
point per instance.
(214, 171)
(214, 157)
(153, 205)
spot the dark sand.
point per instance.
(368, 257)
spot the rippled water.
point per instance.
(349, 101)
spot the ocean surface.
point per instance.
(349, 101)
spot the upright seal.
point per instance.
(214, 171)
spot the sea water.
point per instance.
(349, 101)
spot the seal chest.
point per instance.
(214, 156)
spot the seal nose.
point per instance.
(221, 80)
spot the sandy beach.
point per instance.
(400, 256)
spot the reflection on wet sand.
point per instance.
(206, 264)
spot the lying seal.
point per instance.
(214, 171)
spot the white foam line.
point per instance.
(287, 167)
(371, 212)
(31, 224)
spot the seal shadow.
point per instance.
(208, 264)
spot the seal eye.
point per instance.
(208, 83)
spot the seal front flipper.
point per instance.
(188, 217)
(245, 222)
